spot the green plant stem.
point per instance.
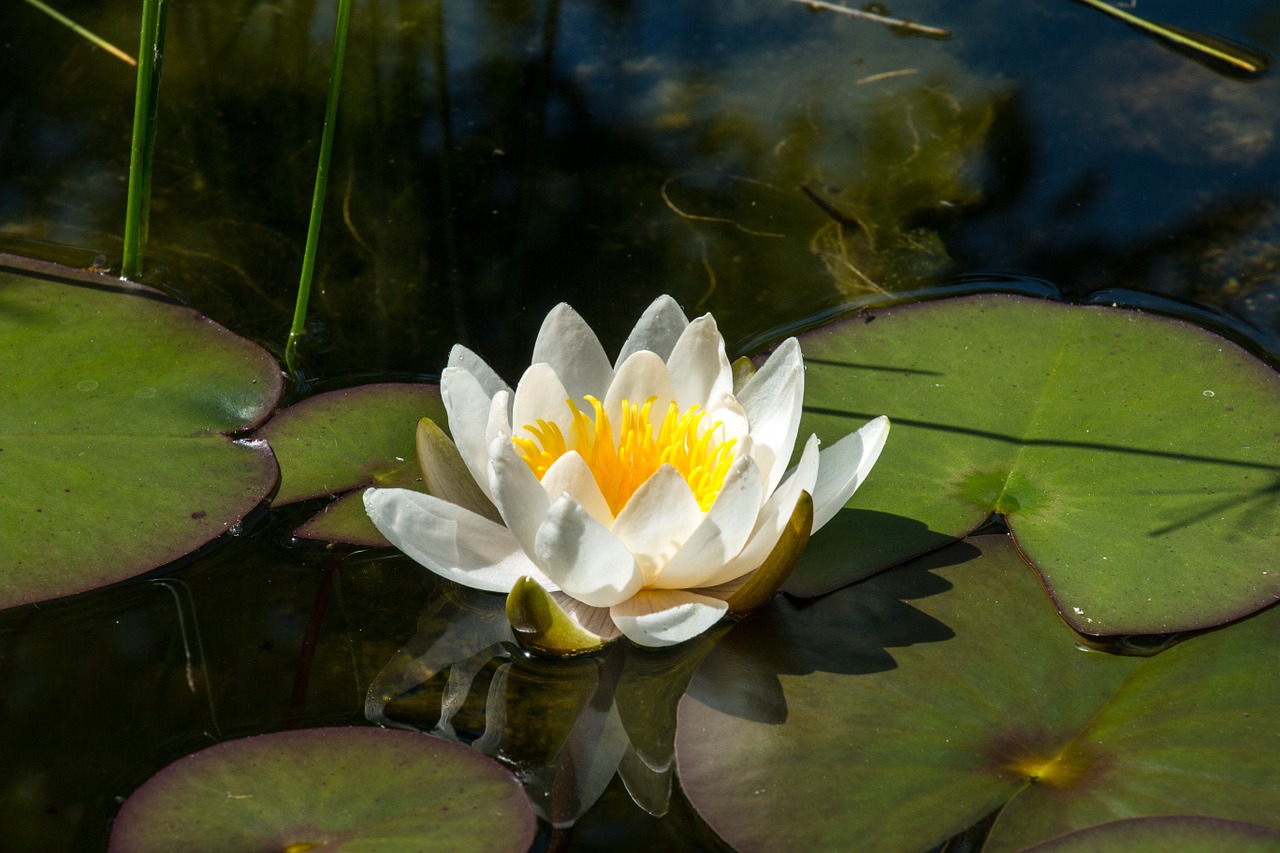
(322, 182)
(1191, 41)
(86, 34)
(143, 144)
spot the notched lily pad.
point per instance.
(115, 409)
(897, 712)
(347, 440)
(1134, 456)
(333, 789)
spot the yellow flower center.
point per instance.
(702, 456)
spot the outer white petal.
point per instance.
(540, 395)
(640, 377)
(468, 406)
(657, 330)
(772, 400)
(595, 619)
(722, 533)
(451, 541)
(516, 492)
(699, 366)
(584, 558)
(657, 520)
(464, 358)
(664, 617)
(571, 475)
(843, 466)
(567, 343)
(774, 517)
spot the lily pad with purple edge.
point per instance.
(332, 789)
(340, 442)
(117, 407)
(894, 713)
(1134, 456)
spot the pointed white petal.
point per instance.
(489, 380)
(774, 517)
(451, 541)
(499, 422)
(657, 520)
(658, 329)
(571, 475)
(583, 557)
(516, 493)
(843, 466)
(468, 405)
(640, 377)
(540, 395)
(722, 533)
(664, 617)
(567, 343)
(594, 619)
(699, 366)
(772, 400)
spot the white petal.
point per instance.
(658, 329)
(540, 395)
(451, 541)
(722, 533)
(584, 558)
(699, 366)
(664, 617)
(772, 400)
(567, 343)
(774, 517)
(657, 520)
(489, 380)
(595, 619)
(843, 466)
(571, 475)
(640, 377)
(499, 423)
(516, 493)
(468, 405)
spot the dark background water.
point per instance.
(493, 158)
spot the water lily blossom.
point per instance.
(640, 494)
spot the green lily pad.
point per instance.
(335, 789)
(1134, 456)
(115, 409)
(1183, 833)
(897, 712)
(347, 440)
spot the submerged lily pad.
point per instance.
(1134, 456)
(115, 410)
(334, 789)
(895, 713)
(343, 441)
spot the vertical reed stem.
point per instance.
(142, 147)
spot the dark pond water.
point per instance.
(494, 158)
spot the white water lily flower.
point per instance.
(640, 494)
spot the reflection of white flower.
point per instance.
(640, 495)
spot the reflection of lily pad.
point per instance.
(349, 439)
(332, 789)
(115, 405)
(1135, 456)
(897, 712)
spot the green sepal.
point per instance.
(540, 624)
(446, 476)
(743, 369)
(776, 568)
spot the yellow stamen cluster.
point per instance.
(702, 456)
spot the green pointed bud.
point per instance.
(775, 570)
(541, 625)
(743, 370)
(446, 476)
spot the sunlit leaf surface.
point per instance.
(115, 409)
(333, 789)
(1135, 457)
(894, 713)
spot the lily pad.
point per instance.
(347, 440)
(1135, 457)
(116, 407)
(1184, 833)
(335, 789)
(895, 713)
